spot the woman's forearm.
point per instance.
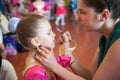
(81, 70)
(65, 74)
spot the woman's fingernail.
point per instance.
(39, 46)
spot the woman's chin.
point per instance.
(87, 30)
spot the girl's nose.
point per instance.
(54, 34)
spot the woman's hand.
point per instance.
(66, 38)
(69, 49)
(46, 57)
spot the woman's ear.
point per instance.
(104, 15)
(35, 42)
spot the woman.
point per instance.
(100, 16)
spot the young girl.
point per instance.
(33, 32)
(60, 13)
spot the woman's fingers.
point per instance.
(45, 50)
(45, 57)
(66, 36)
(39, 58)
(41, 52)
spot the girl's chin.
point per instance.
(53, 47)
(85, 29)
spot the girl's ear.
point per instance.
(35, 42)
(104, 15)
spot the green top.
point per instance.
(104, 44)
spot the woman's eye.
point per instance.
(81, 12)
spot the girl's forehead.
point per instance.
(46, 26)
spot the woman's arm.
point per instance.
(109, 69)
(81, 70)
(94, 64)
(65, 74)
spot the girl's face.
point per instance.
(47, 37)
(87, 17)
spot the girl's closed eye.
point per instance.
(49, 33)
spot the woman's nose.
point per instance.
(79, 19)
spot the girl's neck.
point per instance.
(30, 58)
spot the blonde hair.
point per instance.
(29, 27)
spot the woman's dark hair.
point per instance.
(112, 5)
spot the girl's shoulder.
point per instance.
(34, 71)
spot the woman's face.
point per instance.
(47, 37)
(87, 17)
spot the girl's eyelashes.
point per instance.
(49, 33)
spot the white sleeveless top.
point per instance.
(7, 71)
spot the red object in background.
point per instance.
(14, 1)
